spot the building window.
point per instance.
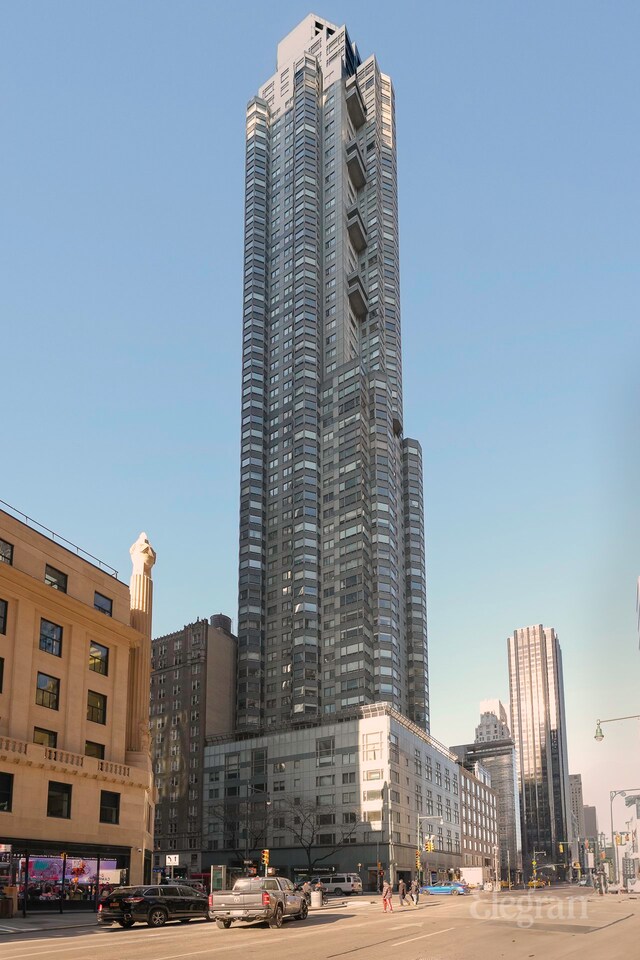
(325, 749)
(55, 578)
(96, 707)
(1, 673)
(109, 807)
(6, 792)
(48, 738)
(102, 603)
(98, 658)
(51, 638)
(3, 616)
(6, 552)
(59, 800)
(47, 691)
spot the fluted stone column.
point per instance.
(143, 557)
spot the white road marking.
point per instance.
(423, 936)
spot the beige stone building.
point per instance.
(75, 773)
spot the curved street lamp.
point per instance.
(614, 855)
(599, 735)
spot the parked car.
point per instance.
(453, 888)
(537, 882)
(339, 883)
(153, 905)
(258, 898)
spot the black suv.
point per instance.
(153, 905)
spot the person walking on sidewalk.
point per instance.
(402, 892)
(415, 891)
(387, 894)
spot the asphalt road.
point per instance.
(479, 927)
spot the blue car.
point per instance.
(454, 889)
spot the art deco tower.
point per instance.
(539, 728)
(332, 597)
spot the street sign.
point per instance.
(248, 863)
(172, 860)
(534, 863)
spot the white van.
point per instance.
(340, 883)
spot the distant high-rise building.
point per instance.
(332, 596)
(539, 729)
(577, 806)
(192, 697)
(590, 821)
(493, 722)
(494, 750)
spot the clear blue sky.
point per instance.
(121, 198)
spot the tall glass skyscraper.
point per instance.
(539, 728)
(332, 593)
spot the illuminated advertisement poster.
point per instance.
(48, 870)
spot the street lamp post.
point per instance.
(612, 795)
(599, 735)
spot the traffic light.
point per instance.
(265, 857)
(561, 847)
(618, 839)
(417, 859)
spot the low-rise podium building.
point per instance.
(76, 787)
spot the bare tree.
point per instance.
(308, 821)
(245, 822)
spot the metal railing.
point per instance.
(40, 527)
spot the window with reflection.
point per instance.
(96, 707)
(51, 637)
(98, 658)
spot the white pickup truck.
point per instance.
(270, 899)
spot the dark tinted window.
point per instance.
(59, 800)
(109, 807)
(6, 792)
(151, 892)
(169, 891)
(102, 603)
(55, 578)
(6, 552)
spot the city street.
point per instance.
(479, 927)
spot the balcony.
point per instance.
(355, 103)
(356, 229)
(355, 165)
(357, 295)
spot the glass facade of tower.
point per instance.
(539, 729)
(332, 593)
